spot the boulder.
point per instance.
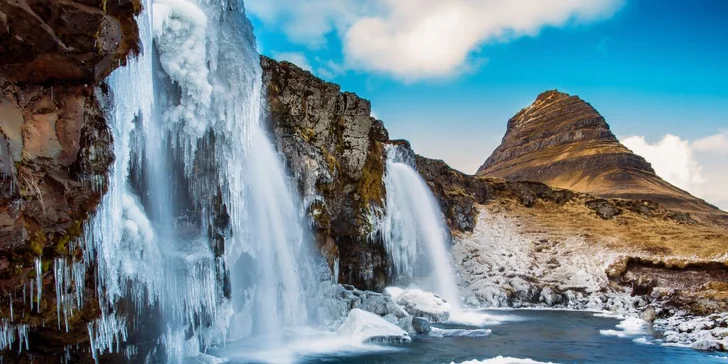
(419, 303)
(366, 327)
(421, 325)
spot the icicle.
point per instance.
(31, 295)
(38, 280)
(10, 297)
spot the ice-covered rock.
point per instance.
(425, 304)
(367, 327)
(421, 325)
(502, 360)
(381, 305)
(707, 333)
(437, 332)
(706, 345)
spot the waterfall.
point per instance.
(199, 229)
(415, 234)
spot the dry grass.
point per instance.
(652, 238)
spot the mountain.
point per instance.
(561, 140)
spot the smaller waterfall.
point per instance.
(415, 233)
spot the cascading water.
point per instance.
(199, 228)
(414, 231)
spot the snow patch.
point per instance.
(630, 327)
(499, 265)
(426, 304)
(438, 332)
(366, 327)
(503, 360)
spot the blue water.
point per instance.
(546, 336)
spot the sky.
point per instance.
(447, 75)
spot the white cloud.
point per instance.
(418, 39)
(697, 167)
(673, 160)
(305, 21)
(717, 143)
(299, 59)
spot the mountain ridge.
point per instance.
(563, 141)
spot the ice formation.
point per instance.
(199, 228)
(367, 327)
(415, 234)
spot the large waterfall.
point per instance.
(415, 233)
(199, 237)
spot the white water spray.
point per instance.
(199, 227)
(415, 233)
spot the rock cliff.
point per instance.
(335, 149)
(55, 146)
(562, 141)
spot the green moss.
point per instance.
(75, 229)
(36, 244)
(371, 185)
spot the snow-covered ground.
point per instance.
(499, 266)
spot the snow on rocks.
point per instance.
(708, 333)
(629, 327)
(503, 267)
(502, 360)
(417, 302)
(339, 300)
(367, 327)
(437, 332)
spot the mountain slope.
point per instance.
(561, 140)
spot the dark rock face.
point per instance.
(55, 146)
(563, 141)
(458, 193)
(65, 40)
(335, 149)
(604, 209)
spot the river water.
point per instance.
(538, 335)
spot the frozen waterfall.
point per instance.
(415, 234)
(199, 229)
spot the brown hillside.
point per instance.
(562, 141)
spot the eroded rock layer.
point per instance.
(561, 140)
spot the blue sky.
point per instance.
(652, 68)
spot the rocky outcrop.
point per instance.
(336, 151)
(561, 140)
(69, 41)
(459, 193)
(55, 146)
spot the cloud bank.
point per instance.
(673, 160)
(420, 39)
(698, 167)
